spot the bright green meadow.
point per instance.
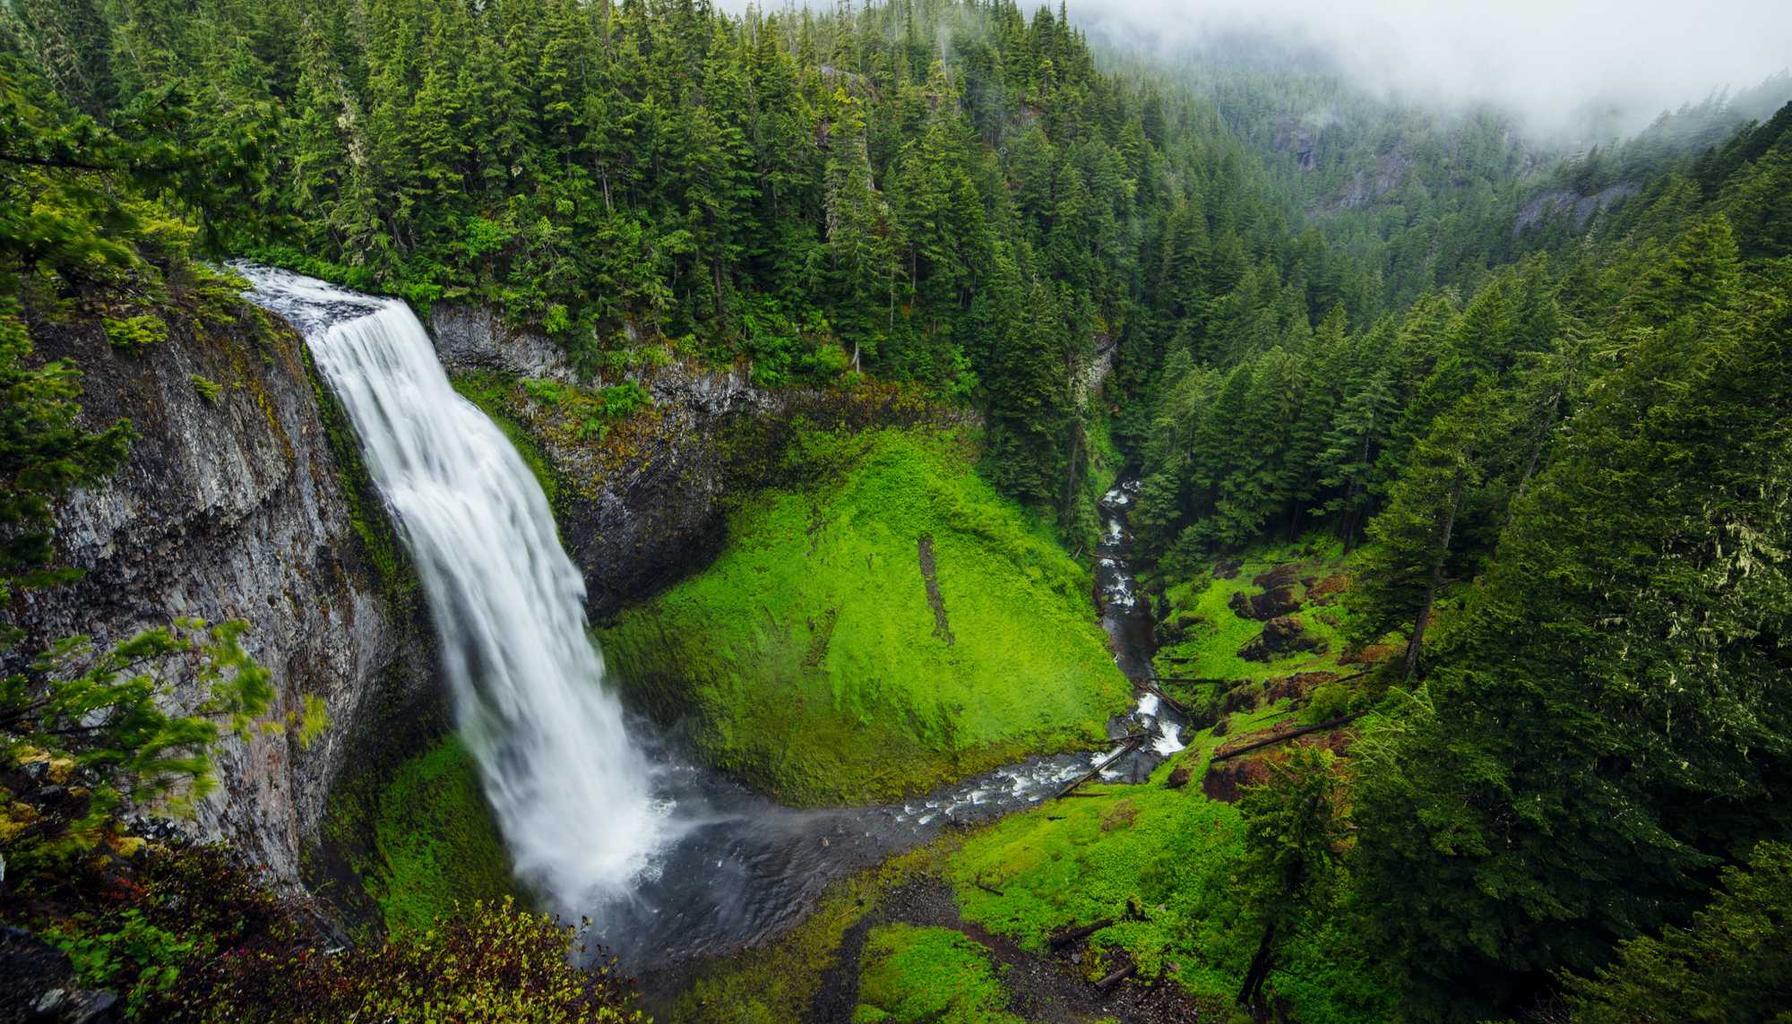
(813, 663)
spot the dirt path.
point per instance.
(1044, 990)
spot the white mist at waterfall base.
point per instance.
(571, 792)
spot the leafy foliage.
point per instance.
(1730, 965)
(99, 722)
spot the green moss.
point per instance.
(436, 842)
(813, 655)
(1162, 863)
(1167, 854)
(366, 512)
(1212, 633)
(1105, 458)
(911, 975)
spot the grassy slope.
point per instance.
(1213, 634)
(810, 652)
(1171, 854)
(913, 975)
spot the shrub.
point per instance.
(135, 333)
(493, 963)
(208, 389)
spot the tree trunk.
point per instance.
(1416, 645)
(1530, 466)
(1261, 964)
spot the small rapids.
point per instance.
(1126, 615)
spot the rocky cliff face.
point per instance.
(243, 505)
(642, 509)
(644, 506)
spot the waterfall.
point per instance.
(571, 791)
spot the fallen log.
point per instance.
(1270, 741)
(1127, 746)
(1107, 984)
(1064, 938)
(1172, 703)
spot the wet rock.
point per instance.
(37, 985)
(1281, 636)
(1270, 604)
(238, 506)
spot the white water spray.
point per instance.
(570, 790)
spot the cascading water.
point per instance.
(572, 793)
(674, 861)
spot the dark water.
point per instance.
(743, 868)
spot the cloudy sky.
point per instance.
(1545, 59)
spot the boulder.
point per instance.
(1272, 603)
(1281, 636)
(37, 985)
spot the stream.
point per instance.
(604, 816)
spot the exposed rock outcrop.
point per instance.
(1577, 208)
(645, 506)
(1265, 606)
(643, 511)
(38, 986)
(246, 504)
(1281, 635)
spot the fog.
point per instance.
(1557, 64)
(1548, 61)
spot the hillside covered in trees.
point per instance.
(1499, 435)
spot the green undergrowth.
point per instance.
(813, 659)
(1204, 635)
(1123, 852)
(911, 975)
(436, 842)
(1163, 864)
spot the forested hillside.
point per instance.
(1516, 424)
